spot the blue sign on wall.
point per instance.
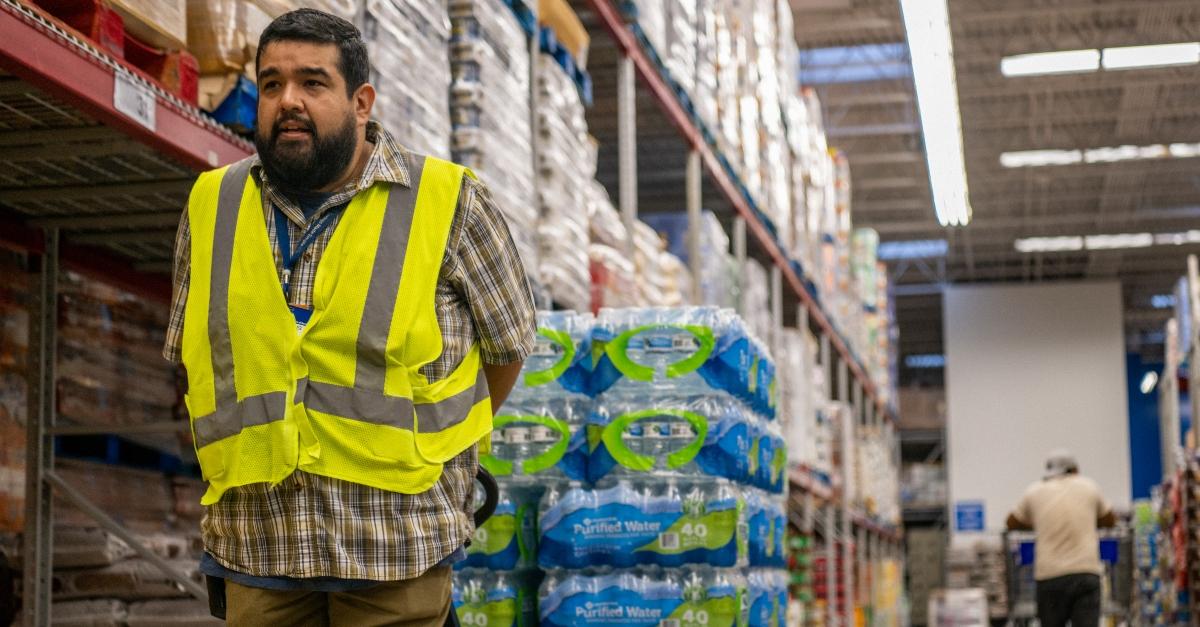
(968, 516)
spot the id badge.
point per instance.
(302, 314)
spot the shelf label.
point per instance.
(968, 516)
(134, 100)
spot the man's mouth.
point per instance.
(294, 130)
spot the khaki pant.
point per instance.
(420, 602)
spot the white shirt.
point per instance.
(1063, 512)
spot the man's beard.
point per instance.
(299, 168)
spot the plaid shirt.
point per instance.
(315, 526)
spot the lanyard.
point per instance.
(307, 238)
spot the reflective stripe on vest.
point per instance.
(318, 402)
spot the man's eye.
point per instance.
(313, 83)
(270, 85)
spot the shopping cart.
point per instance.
(1116, 555)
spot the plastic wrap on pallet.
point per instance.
(718, 269)
(756, 298)
(491, 115)
(566, 164)
(408, 42)
(652, 19)
(706, 94)
(681, 38)
(614, 277)
(223, 34)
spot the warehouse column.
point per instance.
(627, 145)
(38, 550)
(693, 217)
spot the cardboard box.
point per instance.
(161, 23)
(558, 16)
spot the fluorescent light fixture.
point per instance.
(1148, 382)
(1114, 154)
(1113, 241)
(932, 360)
(927, 24)
(1037, 158)
(1161, 55)
(1184, 151)
(912, 249)
(1162, 301)
(1049, 244)
(1060, 62)
(1118, 241)
(1177, 239)
(1104, 154)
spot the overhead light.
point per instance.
(927, 24)
(1060, 62)
(1049, 244)
(1177, 239)
(912, 249)
(931, 360)
(1161, 55)
(1035, 158)
(1092, 59)
(1162, 301)
(1148, 382)
(1104, 154)
(1119, 240)
(1114, 241)
(1125, 153)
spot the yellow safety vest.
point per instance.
(345, 397)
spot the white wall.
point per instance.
(1029, 369)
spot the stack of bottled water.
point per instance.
(538, 438)
(644, 441)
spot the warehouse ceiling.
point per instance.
(871, 115)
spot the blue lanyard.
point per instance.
(307, 238)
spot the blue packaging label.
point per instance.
(608, 602)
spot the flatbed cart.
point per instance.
(1116, 555)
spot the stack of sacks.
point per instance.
(803, 246)
(750, 113)
(614, 277)
(796, 366)
(490, 112)
(730, 57)
(566, 159)
(774, 179)
(817, 168)
(652, 19)
(704, 97)
(408, 43)
(681, 38)
(718, 269)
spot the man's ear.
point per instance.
(364, 101)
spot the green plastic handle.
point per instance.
(634, 461)
(538, 463)
(563, 340)
(618, 348)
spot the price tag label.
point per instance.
(134, 100)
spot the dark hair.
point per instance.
(318, 27)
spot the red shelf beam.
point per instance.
(37, 54)
(614, 23)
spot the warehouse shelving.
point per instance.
(862, 539)
(98, 160)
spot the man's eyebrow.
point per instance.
(315, 71)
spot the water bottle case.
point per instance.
(633, 599)
(622, 528)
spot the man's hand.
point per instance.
(1016, 524)
(501, 380)
(1107, 520)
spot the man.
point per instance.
(1064, 510)
(349, 315)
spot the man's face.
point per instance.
(307, 124)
